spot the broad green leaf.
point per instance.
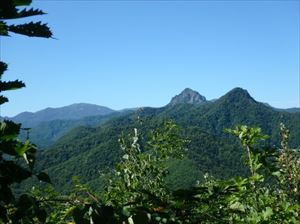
(267, 213)
(237, 206)
(21, 149)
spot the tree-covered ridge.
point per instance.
(88, 152)
(72, 112)
(46, 133)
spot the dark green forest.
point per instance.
(210, 149)
(233, 160)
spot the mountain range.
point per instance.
(48, 125)
(88, 152)
(71, 112)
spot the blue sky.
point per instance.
(124, 54)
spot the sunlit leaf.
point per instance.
(237, 206)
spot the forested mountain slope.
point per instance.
(71, 112)
(46, 133)
(88, 152)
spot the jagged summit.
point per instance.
(188, 96)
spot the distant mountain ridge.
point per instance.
(71, 112)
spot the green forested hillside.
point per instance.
(46, 133)
(88, 152)
(71, 112)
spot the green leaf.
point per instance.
(125, 211)
(267, 213)
(237, 206)
(276, 174)
(42, 176)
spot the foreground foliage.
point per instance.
(270, 194)
(17, 158)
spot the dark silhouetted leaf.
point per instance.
(3, 67)
(31, 29)
(78, 215)
(3, 29)
(9, 130)
(21, 2)
(5, 193)
(41, 214)
(30, 12)
(3, 100)
(11, 85)
(43, 177)
(13, 173)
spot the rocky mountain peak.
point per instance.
(238, 94)
(188, 96)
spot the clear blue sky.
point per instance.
(124, 54)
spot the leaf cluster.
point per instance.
(17, 158)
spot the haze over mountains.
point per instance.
(88, 151)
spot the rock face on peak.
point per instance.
(188, 96)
